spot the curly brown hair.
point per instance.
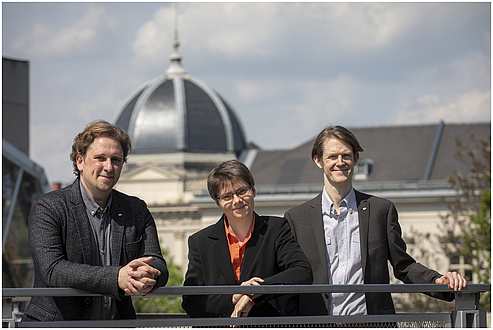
(95, 129)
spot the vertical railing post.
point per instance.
(8, 320)
(467, 313)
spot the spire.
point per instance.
(176, 42)
(175, 66)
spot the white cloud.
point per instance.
(428, 100)
(210, 27)
(254, 90)
(314, 105)
(263, 29)
(154, 37)
(59, 81)
(455, 91)
(51, 148)
(475, 105)
(234, 29)
(473, 68)
(330, 99)
(63, 41)
(249, 31)
(366, 25)
(469, 106)
(101, 107)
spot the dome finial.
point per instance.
(175, 66)
(176, 42)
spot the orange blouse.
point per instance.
(237, 248)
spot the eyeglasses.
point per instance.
(241, 192)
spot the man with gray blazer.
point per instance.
(88, 236)
(349, 237)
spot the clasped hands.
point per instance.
(242, 302)
(138, 277)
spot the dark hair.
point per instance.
(338, 132)
(95, 129)
(231, 171)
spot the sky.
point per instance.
(289, 69)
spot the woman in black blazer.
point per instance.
(242, 248)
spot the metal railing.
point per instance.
(466, 313)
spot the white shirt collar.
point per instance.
(327, 203)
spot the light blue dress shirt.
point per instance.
(343, 253)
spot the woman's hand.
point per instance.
(252, 281)
(242, 307)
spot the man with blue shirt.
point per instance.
(349, 237)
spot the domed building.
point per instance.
(178, 113)
(180, 129)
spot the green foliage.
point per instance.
(477, 239)
(465, 230)
(467, 227)
(165, 304)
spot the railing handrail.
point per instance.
(243, 321)
(466, 313)
(265, 289)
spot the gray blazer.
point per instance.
(380, 240)
(60, 243)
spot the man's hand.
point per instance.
(454, 280)
(252, 281)
(137, 277)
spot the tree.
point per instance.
(477, 238)
(465, 230)
(468, 225)
(165, 304)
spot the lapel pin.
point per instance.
(119, 214)
(363, 209)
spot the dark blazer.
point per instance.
(271, 254)
(60, 242)
(380, 240)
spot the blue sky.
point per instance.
(288, 69)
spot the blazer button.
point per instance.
(88, 301)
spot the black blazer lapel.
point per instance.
(317, 222)
(118, 219)
(364, 224)
(252, 248)
(79, 215)
(220, 251)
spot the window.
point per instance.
(363, 169)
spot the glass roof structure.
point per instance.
(23, 182)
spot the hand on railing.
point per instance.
(137, 277)
(454, 280)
